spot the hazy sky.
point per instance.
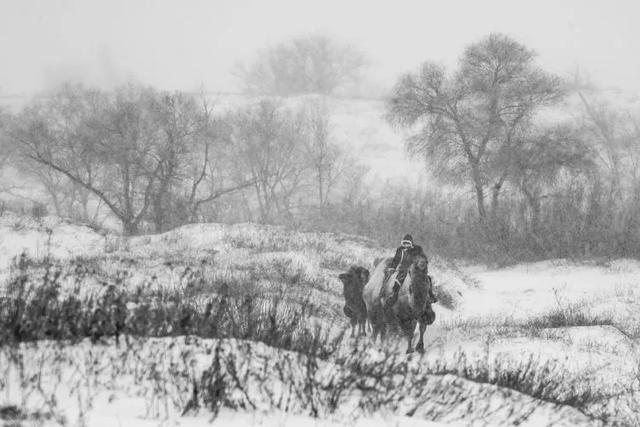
(187, 44)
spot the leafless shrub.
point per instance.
(33, 311)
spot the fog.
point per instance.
(201, 204)
(195, 44)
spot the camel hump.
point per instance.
(374, 286)
(381, 259)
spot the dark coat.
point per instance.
(405, 256)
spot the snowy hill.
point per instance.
(539, 344)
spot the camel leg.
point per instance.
(409, 346)
(377, 322)
(408, 326)
(420, 345)
(353, 327)
(374, 328)
(427, 319)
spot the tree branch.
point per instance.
(117, 212)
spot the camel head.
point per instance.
(356, 277)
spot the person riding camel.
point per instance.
(405, 254)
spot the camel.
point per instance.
(354, 280)
(413, 306)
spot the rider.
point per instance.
(403, 258)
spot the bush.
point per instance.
(573, 315)
(34, 311)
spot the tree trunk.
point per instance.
(320, 193)
(56, 203)
(535, 209)
(263, 202)
(159, 206)
(84, 201)
(480, 199)
(130, 228)
(477, 182)
(495, 194)
(158, 214)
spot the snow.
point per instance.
(148, 382)
(124, 415)
(487, 324)
(49, 237)
(524, 290)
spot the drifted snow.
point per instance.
(525, 290)
(229, 249)
(485, 300)
(148, 382)
(49, 237)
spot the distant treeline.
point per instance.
(510, 186)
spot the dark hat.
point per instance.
(408, 237)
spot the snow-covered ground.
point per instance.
(525, 290)
(490, 327)
(149, 382)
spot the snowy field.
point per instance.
(550, 343)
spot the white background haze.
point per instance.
(195, 44)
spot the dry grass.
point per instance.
(267, 311)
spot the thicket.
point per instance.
(511, 177)
(37, 310)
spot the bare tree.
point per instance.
(146, 155)
(544, 155)
(67, 197)
(268, 140)
(615, 136)
(467, 125)
(59, 188)
(212, 170)
(303, 65)
(607, 127)
(59, 117)
(182, 125)
(105, 143)
(6, 147)
(325, 158)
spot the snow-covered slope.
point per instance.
(499, 355)
(148, 381)
(229, 252)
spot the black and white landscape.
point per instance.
(197, 200)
